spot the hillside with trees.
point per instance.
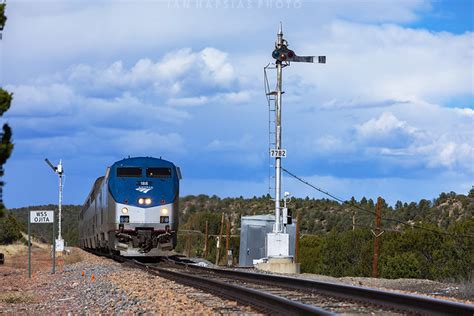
(425, 239)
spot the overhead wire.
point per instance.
(369, 211)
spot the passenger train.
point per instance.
(133, 209)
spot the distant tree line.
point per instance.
(19, 222)
(410, 253)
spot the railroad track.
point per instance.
(273, 294)
(334, 297)
(260, 300)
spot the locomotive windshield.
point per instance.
(158, 172)
(130, 172)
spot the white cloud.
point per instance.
(147, 141)
(217, 68)
(410, 135)
(237, 97)
(195, 70)
(450, 154)
(129, 110)
(177, 63)
(447, 138)
(64, 31)
(466, 112)
(231, 145)
(386, 130)
(330, 144)
(46, 100)
(193, 101)
(221, 98)
(369, 64)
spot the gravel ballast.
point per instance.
(97, 285)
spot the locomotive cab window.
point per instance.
(130, 172)
(158, 172)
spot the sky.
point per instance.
(390, 114)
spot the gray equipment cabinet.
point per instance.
(253, 234)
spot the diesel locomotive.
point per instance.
(132, 210)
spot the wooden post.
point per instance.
(297, 238)
(29, 245)
(206, 238)
(219, 241)
(377, 233)
(188, 245)
(227, 241)
(353, 220)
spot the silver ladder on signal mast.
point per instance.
(271, 99)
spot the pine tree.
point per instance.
(6, 145)
(3, 18)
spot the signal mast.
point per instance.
(60, 171)
(278, 240)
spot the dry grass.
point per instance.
(20, 247)
(36, 243)
(73, 257)
(13, 249)
(16, 297)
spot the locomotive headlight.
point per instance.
(164, 211)
(124, 210)
(147, 201)
(141, 200)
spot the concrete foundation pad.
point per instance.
(279, 265)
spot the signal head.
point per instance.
(283, 54)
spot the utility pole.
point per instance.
(227, 242)
(206, 238)
(353, 220)
(219, 240)
(278, 240)
(377, 234)
(297, 238)
(188, 245)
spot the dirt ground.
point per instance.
(85, 284)
(15, 286)
(16, 258)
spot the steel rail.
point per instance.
(400, 301)
(267, 302)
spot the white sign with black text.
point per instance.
(281, 153)
(41, 217)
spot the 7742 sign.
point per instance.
(278, 153)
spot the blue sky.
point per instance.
(390, 114)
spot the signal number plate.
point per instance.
(278, 153)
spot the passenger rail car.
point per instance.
(133, 210)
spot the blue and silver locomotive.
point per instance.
(133, 210)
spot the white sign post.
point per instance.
(40, 217)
